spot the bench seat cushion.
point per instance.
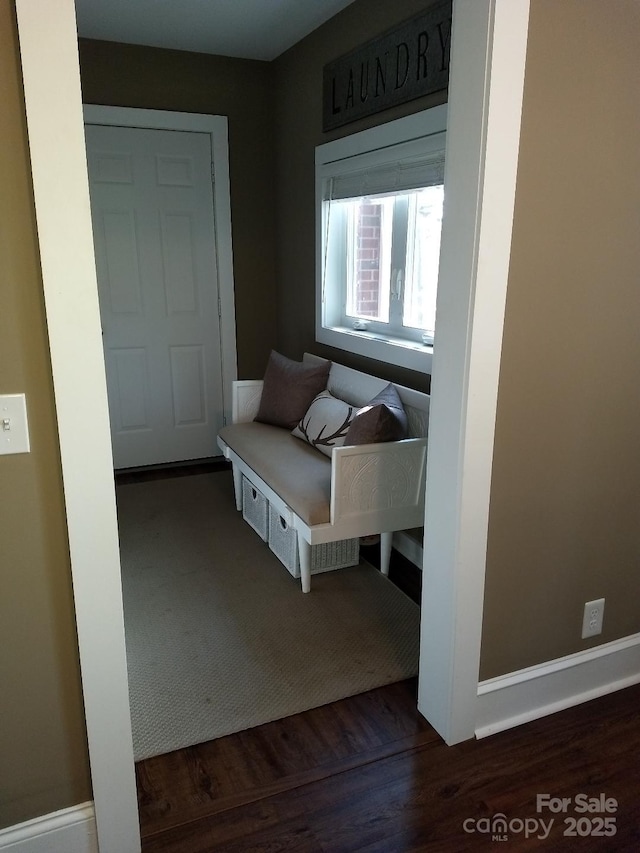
(296, 472)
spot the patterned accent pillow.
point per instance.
(326, 423)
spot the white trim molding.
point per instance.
(51, 76)
(71, 830)
(488, 51)
(410, 548)
(519, 697)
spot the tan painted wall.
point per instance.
(43, 763)
(299, 131)
(150, 78)
(565, 499)
(563, 524)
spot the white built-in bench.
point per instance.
(360, 491)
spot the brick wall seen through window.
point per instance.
(368, 260)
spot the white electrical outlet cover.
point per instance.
(592, 619)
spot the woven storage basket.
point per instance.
(255, 508)
(326, 557)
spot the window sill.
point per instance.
(408, 354)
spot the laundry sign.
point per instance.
(402, 64)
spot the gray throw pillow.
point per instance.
(289, 387)
(382, 419)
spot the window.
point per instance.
(380, 198)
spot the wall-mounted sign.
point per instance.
(402, 64)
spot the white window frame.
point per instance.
(334, 157)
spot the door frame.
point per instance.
(53, 100)
(48, 45)
(216, 127)
(486, 83)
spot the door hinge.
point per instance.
(213, 174)
(219, 308)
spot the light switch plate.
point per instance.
(14, 428)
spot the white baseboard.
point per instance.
(528, 694)
(70, 830)
(408, 547)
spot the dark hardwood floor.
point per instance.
(369, 774)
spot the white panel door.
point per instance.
(154, 235)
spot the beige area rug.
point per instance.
(220, 637)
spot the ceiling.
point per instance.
(249, 29)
